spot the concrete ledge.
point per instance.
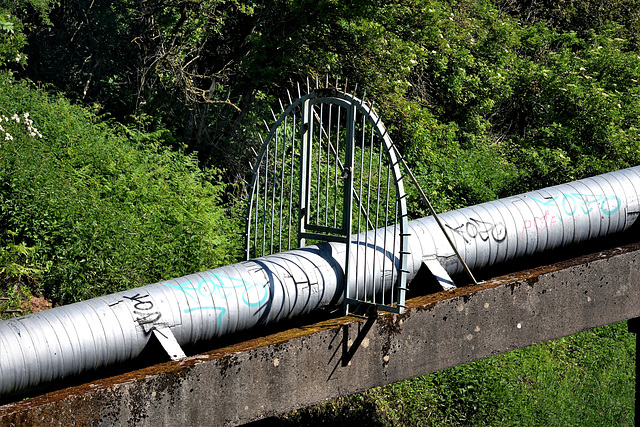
(301, 366)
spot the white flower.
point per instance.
(16, 118)
(8, 137)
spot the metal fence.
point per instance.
(328, 172)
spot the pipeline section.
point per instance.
(68, 340)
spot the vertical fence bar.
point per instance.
(304, 162)
(377, 222)
(273, 191)
(386, 224)
(396, 280)
(291, 168)
(335, 166)
(319, 173)
(359, 230)
(264, 208)
(369, 192)
(282, 184)
(347, 216)
(328, 169)
(254, 213)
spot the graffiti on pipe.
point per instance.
(568, 204)
(474, 228)
(540, 223)
(214, 284)
(144, 310)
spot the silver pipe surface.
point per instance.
(68, 340)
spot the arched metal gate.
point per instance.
(328, 172)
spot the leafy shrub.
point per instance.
(105, 212)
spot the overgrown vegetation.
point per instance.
(89, 207)
(127, 128)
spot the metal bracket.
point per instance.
(168, 341)
(440, 274)
(435, 216)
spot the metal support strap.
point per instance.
(435, 216)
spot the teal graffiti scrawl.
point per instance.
(571, 201)
(214, 283)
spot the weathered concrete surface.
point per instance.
(305, 365)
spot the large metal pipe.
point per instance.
(68, 340)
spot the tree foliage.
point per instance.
(485, 98)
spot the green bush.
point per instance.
(105, 211)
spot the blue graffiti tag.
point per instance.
(217, 284)
(571, 201)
